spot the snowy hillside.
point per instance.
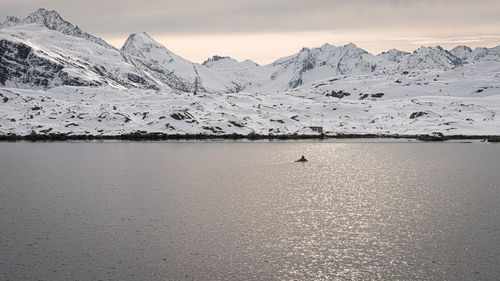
(240, 73)
(57, 79)
(226, 63)
(171, 69)
(310, 65)
(458, 101)
(33, 56)
(478, 80)
(107, 111)
(52, 20)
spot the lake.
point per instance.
(247, 211)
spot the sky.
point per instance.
(265, 30)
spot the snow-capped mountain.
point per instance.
(428, 58)
(313, 64)
(33, 56)
(461, 52)
(241, 74)
(154, 57)
(392, 55)
(222, 63)
(484, 54)
(52, 20)
(173, 70)
(44, 50)
(330, 61)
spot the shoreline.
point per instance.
(144, 136)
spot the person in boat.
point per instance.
(302, 159)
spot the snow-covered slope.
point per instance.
(428, 58)
(107, 111)
(241, 74)
(330, 61)
(227, 63)
(483, 54)
(173, 70)
(461, 52)
(52, 20)
(309, 65)
(458, 101)
(32, 56)
(479, 79)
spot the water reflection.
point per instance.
(246, 211)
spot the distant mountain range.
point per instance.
(43, 50)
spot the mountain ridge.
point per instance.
(155, 66)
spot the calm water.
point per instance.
(246, 211)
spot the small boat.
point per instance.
(302, 159)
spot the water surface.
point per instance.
(246, 211)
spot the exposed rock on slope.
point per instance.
(21, 66)
(33, 56)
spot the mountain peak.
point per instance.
(42, 12)
(228, 62)
(11, 20)
(326, 45)
(141, 35)
(141, 41)
(352, 50)
(351, 45)
(250, 62)
(50, 19)
(462, 47)
(429, 49)
(216, 58)
(142, 45)
(140, 38)
(461, 52)
(393, 55)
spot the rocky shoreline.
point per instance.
(145, 136)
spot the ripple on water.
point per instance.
(246, 211)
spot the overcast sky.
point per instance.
(264, 30)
